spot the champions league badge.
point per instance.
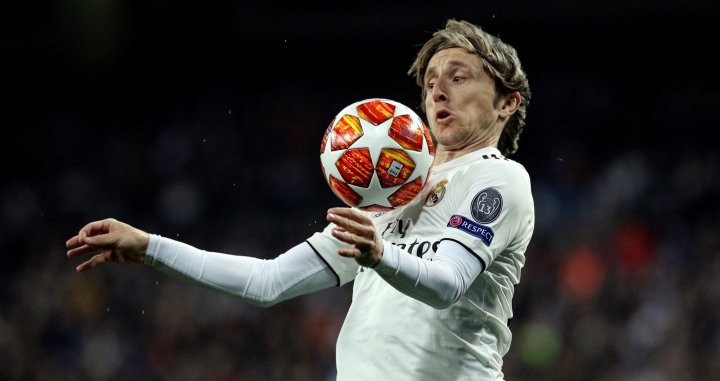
(486, 205)
(436, 195)
(485, 233)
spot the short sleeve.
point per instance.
(493, 213)
(326, 247)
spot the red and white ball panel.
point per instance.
(376, 154)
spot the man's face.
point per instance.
(460, 100)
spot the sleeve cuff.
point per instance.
(152, 250)
(389, 264)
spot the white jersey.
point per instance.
(482, 201)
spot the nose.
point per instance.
(438, 92)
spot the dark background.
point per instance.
(202, 122)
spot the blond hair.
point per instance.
(500, 60)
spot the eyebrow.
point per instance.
(453, 64)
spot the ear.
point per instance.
(508, 105)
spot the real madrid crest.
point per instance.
(436, 195)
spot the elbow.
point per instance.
(452, 293)
(442, 302)
(439, 298)
(264, 303)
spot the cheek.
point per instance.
(428, 105)
(432, 126)
(482, 109)
(429, 111)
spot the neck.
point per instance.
(444, 154)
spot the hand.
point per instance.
(358, 230)
(116, 242)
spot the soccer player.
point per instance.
(433, 280)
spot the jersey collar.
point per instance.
(480, 154)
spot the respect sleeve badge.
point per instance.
(485, 233)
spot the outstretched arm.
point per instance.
(261, 282)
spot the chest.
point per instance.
(418, 227)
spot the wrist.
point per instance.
(379, 259)
(142, 245)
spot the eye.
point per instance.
(430, 85)
(457, 79)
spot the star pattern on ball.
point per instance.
(422, 160)
(375, 134)
(330, 156)
(375, 139)
(375, 194)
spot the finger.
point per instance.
(92, 262)
(103, 240)
(82, 250)
(351, 225)
(94, 228)
(72, 242)
(352, 239)
(349, 252)
(352, 214)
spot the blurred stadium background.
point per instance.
(202, 122)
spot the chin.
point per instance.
(448, 138)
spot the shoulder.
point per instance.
(497, 178)
(494, 169)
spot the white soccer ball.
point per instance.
(376, 154)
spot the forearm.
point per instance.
(258, 281)
(438, 283)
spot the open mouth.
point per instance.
(442, 115)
